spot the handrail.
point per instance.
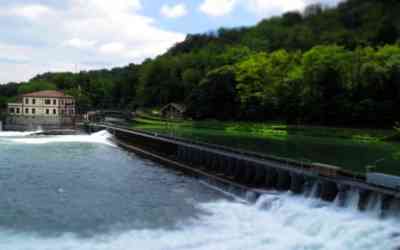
(342, 177)
(309, 165)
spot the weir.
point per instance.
(250, 172)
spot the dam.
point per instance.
(86, 192)
(247, 170)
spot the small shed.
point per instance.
(173, 111)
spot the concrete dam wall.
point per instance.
(27, 123)
(258, 173)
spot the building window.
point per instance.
(33, 111)
(26, 101)
(47, 101)
(17, 110)
(26, 111)
(47, 111)
(54, 111)
(54, 102)
(12, 110)
(33, 101)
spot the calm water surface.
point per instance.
(345, 153)
(82, 192)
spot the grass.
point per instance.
(350, 148)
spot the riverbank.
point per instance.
(352, 149)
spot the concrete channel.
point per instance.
(246, 171)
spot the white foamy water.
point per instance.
(17, 134)
(276, 222)
(102, 137)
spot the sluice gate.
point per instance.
(255, 173)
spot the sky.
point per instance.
(38, 36)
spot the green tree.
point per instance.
(233, 55)
(83, 101)
(35, 86)
(215, 97)
(253, 79)
(327, 73)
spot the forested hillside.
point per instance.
(328, 66)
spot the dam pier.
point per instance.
(251, 172)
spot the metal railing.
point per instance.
(304, 164)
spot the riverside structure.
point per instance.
(43, 109)
(247, 171)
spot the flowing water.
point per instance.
(83, 192)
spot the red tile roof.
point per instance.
(47, 93)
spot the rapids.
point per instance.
(83, 192)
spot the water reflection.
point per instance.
(352, 155)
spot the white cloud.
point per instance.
(273, 7)
(218, 8)
(15, 53)
(106, 6)
(30, 11)
(262, 8)
(112, 48)
(21, 62)
(79, 43)
(117, 27)
(174, 11)
(82, 33)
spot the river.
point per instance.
(83, 192)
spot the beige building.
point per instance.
(42, 108)
(43, 103)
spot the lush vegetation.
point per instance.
(324, 66)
